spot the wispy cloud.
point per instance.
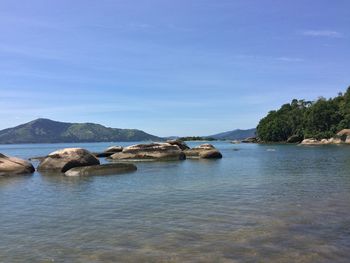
(271, 58)
(322, 33)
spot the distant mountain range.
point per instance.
(234, 135)
(49, 131)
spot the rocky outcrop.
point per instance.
(344, 135)
(295, 139)
(109, 151)
(210, 154)
(205, 151)
(104, 169)
(63, 160)
(182, 145)
(14, 166)
(250, 140)
(312, 141)
(152, 151)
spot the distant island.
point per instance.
(49, 131)
(300, 119)
(237, 134)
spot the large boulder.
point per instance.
(205, 151)
(109, 151)
(344, 135)
(104, 169)
(210, 154)
(152, 151)
(182, 145)
(65, 159)
(14, 166)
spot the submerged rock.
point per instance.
(152, 151)
(14, 166)
(104, 169)
(65, 159)
(205, 151)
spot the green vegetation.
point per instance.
(196, 138)
(48, 131)
(322, 118)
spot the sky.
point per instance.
(184, 67)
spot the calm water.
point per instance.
(260, 203)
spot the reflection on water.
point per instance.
(254, 205)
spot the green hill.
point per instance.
(300, 119)
(49, 131)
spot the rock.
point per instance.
(206, 151)
(104, 169)
(114, 149)
(311, 141)
(182, 145)
(210, 154)
(152, 151)
(250, 140)
(109, 151)
(335, 140)
(295, 139)
(14, 166)
(102, 154)
(344, 136)
(63, 160)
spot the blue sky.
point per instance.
(180, 67)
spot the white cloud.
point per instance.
(322, 33)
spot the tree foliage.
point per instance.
(319, 119)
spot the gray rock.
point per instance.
(344, 135)
(104, 169)
(109, 151)
(182, 145)
(114, 149)
(14, 166)
(152, 151)
(210, 154)
(63, 160)
(206, 151)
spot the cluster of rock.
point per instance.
(151, 151)
(168, 151)
(81, 162)
(342, 137)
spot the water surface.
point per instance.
(260, 203)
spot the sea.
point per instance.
(259, 203)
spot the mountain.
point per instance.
(49, 131)
(234, 135)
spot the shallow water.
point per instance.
(260, 203)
